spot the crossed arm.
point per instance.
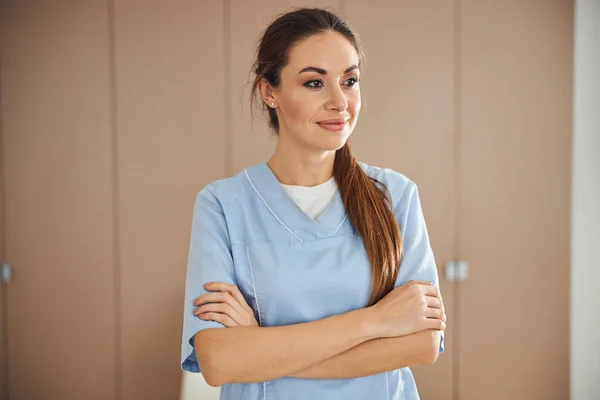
(341, 346)
(377, 356)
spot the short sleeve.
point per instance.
(209, 260)
(417, 261)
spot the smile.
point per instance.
(333, 125)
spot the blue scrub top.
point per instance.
(291, 269)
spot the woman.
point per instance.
(319, 267)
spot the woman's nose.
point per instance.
(338, 100)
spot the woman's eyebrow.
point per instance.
(323, 72)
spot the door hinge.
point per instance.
(6, 272)
(457, 270)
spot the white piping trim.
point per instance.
(276, 217)
(342, 223)
(387, 385)
(260, 323)
(254, 287)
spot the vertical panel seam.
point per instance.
(456, 198)
(227, 78)
(111, 29)
(4, 312)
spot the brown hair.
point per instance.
(367, 202)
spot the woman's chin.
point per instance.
(331, 146)
(333, 143)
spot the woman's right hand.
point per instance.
(412, 307)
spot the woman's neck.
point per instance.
(293, 168)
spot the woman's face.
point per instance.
(318, 99)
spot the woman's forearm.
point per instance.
(377, 356)
(256, 354)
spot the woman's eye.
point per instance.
(351, 82)
(314, 84)
(318, 83)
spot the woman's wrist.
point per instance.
(367, 324)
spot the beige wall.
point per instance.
(116, 112)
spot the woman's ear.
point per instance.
(267, 93)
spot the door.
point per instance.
(169, 65)
(57, 167)
(513, 198)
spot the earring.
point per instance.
(273, 104)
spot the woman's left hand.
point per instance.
(225, 304)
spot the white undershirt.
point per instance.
(312, 200)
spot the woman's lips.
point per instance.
(334, 125)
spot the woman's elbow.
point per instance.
(433, 356)
(208, 360)
(211, 376)
(212, 380)
(431, 346)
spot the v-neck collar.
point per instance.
(285, 210)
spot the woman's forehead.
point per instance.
(329, 51)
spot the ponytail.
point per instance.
(370, 211)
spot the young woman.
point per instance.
(319, 267)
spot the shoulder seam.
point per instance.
(209, 202)
(411, 185)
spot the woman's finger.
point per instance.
(420, 282)
(221, 292)
(226, 287)
(221, 302)
(220, 297)
(237, 294)
(434, 323)
(217, 297)
(429, 290)
(209, 298)
(433, 302)
(437, 313)
(217, 317)
(233, 290)
(221, 308)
